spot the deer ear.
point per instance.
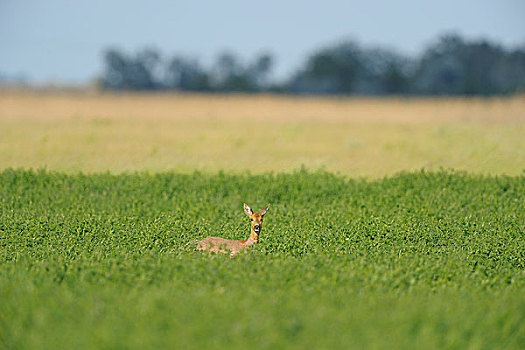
(263, 212)
(247, 209)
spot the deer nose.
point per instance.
(257, 227)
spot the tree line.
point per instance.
(452, 65)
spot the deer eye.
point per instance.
(251, 219)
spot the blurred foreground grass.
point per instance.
(354, 136)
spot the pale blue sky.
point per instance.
(62, 41)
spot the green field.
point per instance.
(416, 260)
(361, 249)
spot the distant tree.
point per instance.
(260, 70)
(115, 69)
(450, 66)
(187, 74)
(232, 76)
(395, 80)
(148, 63)
(385, 72)
(330, 70)
(346, 68)
(123, 72)
(513, 71)
(227, 65)
(454, 66)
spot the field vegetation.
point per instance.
(357, 137)
(368, 243)
(422, 260)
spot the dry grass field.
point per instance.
(88, 132)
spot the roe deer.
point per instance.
(222, 245)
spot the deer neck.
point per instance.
(253, 239)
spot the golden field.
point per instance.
(370, 137)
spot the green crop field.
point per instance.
(360, 249)
(416, 260)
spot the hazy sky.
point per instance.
(61, 40)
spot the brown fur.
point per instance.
(233, 247)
